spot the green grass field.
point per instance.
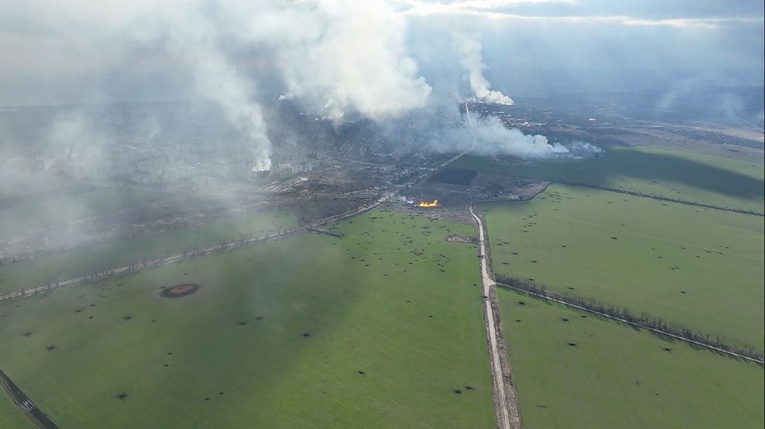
(77, 262)
(11, 416)
(676, 174)
(376, 329)
(617, 377)
(698, 267)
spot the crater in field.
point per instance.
(179, 291)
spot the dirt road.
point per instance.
(506, 408)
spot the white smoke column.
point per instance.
(217, 81)
(104, 34)
(78, 146)
(580, 150)
(195, 39)
(472, 60)
(495, 139)
(470, 124)
(338, 56)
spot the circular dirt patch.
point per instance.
(179, 291)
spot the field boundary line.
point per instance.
(662, 198)
(144, 264)
(561, 300)
(137, 266)
(218, 248)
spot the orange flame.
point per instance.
(426, 204)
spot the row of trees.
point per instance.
(33, 254)
(155, 261)
(645, 320)
(664, 198)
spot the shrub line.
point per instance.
(663, 198)
(158, 261)
(623, 314)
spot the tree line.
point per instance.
(664, 198)
(644, 319)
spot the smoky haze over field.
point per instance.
(338, 60)
(401, 64)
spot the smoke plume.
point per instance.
(336, 59)
(471, 59)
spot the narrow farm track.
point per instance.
(505, 396)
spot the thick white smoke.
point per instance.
(80, 144)
(193, 38)
(495, 139)
(333, 57)
(176, 35)
(472, 60)
(341, 55)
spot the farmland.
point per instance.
(11, 416)
(698, 267)
(677, 174)
(74, 263)
(575, 370)
(380, 328)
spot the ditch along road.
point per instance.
(505, 397)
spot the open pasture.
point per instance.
(676, 174)
(575, 370)
(701, 268)
(11, 416)
(77, 262)
(381, 328)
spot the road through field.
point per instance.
(505, 397)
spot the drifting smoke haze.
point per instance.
(337, 59)
(494, 138)
(401, 64)
(472, 60)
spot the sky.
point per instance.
(77, 50)
(387, 61)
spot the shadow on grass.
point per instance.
(673, 168)
(290, 294)
(659, 335)
(192, 334)
(641, 165)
